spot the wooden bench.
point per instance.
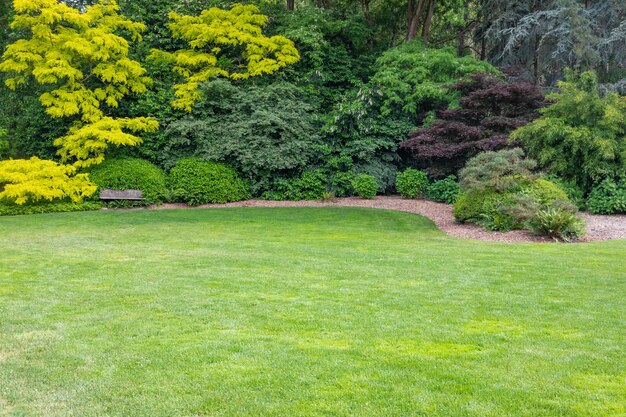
(131, 195)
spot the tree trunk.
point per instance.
(536, 60)
(414, 19)
(460, 48)
(366, 12)
(429, 19)
(291, 5)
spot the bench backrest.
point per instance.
(108, 194)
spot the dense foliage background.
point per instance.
(380, 86)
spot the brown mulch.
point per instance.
(598, 227)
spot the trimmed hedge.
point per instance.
(131, 174)
(196, 182)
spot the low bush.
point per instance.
(384, 173)
(195, 182)
(14, 209)
(329, 197)
(558, 224)
(365, 185)
(512, 208)
(487, 208)
(469, 206)
(544, 192)
(446, 190)
(608, 197)
(131, 174)
(341, 184)
(311, 185)
(411, 183)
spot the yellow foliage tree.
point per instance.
(82, 57)
(211, 36)
(30, 180)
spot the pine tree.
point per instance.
(547, 36)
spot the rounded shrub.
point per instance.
(608, 197)
(195, 182)
(446, 190)
(545, 192)
(131, 174)
(365, 185)
(411, 183)
(487, 208)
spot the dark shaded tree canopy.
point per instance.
(489, 109)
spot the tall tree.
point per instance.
(546, 36)
(489, 109)
(86, 64)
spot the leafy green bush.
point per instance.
(131, 174)
(328, 196)
(446, 190)
(341, 184)
(365, 186)
(512, 208)
(557, 223)
(412, 77)
(544, 192)
(487, 208)
(198, 182)
(573, 191)
(411, 183)
(383, 171)
(311, 185)
(7, 209)
(608, 197)
(469, 206)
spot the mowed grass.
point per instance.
(302, 312)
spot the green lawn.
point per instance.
(302, 312)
